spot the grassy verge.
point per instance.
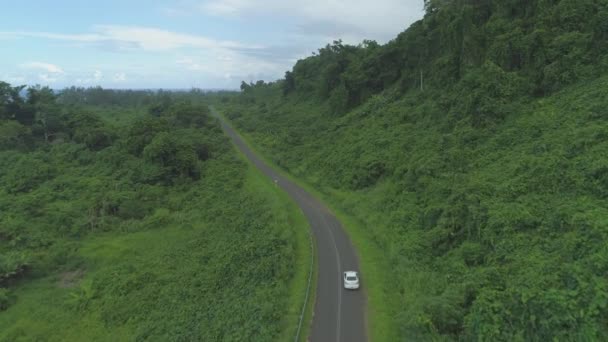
(280, 202)
(310, 305)
(373, 267)
(56, 309)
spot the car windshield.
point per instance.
(351, 278)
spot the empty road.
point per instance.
(339, 314)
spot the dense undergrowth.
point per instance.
(120, 223)
(472, 148)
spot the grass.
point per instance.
(283, 205)
(374, 269)
(46, 311)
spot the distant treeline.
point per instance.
(98, 96)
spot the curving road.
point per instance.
(339, 315)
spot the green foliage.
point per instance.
(547, 45)
(89, 129)
(485, 94)
(99, 97)
(338, 101)
(471, 148)
(472, 151)
(5, 299)
(12, 265)
(13, 135)
(28, 173)
(188, 115)
(147, 229)
(177, 159)
(142, 132)
(10, 101)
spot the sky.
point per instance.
(209, 44)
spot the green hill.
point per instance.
(472, 150)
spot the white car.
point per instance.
(351, 280)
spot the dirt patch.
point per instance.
(70, 279)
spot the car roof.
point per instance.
(350, 273)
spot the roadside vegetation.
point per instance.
(129, 216)
(470, 153)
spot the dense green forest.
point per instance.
(472, 152)
(128, 216)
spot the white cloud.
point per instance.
(226, 7)
(91, 79)
(48, 67)
(189, 64)
(57, 36)
(120, 77)
(137, 37)
(232, 66)
(380, 19)
(46, 78)
(175, 12)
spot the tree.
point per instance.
(176, 158)
(13, 135)
(42, 102)
(338, 100)
(12, 106)
(289, 85)
(87, 128)
(186, 115)
(245, 88)
(7, 96)
(141, 133)
(162, 105)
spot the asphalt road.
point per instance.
(339, 314)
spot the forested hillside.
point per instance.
(128, 216)
(472, 152)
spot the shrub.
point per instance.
(176, 158)
(27, 173)
(12, 266)
(14, 135)
(5, 299)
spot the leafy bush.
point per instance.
(176, 158)
(188, 115)
(142, 131)
(486, 93)
(28, 172)
(5, 299)
(12, 265)
(14, 135)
